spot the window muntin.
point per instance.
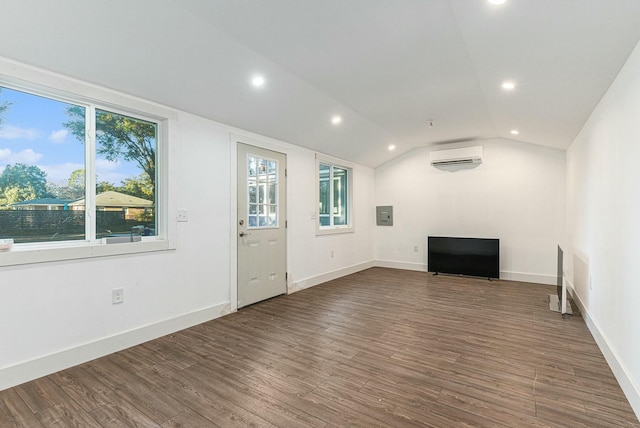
(122, 174)
(262, 189)
(334, 197)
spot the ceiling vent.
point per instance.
(463, 156)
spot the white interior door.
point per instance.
(261, 224)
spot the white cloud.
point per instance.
(58, 136)
(105, 166)
(113, 177)
(27, 156)
(14, 133)
(60, 173)
(106, 171)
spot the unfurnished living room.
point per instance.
(289, 213)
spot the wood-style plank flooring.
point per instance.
(378, 348)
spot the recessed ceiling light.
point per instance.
(257, 81)
(392, 147)
(508, 85)
(515, 131)
(336, 120)
(497, 1)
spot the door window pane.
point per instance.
(273, 194)
(262, 188)
(253, 191)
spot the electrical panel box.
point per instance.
(384, 215)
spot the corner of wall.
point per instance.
(419, 267)
(329, 276)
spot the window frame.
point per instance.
(39, 83)
(348, 167)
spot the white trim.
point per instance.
(334, 161)
(528, 277)
(391, 264)
(25, 77)
(39, 82)
(78, 250)
(329, 276)
(348, 166)
(630, 388)
(233, 220)
(505, 275)
(48, 364)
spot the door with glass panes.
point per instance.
(261, 224)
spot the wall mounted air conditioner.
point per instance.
(462, 156)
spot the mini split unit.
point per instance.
(462, 156)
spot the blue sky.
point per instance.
(32, 133)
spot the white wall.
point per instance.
(54, 315)
(330, 256)
(603, 212)
(516, 194)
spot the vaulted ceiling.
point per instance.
(410, 73)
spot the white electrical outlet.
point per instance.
(331, 253)
(415, 248)
(183, 216)
(590, 284)
(117, 295)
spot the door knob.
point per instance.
(244, 234)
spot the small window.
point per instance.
(335, 185)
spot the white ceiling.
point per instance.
(385, 66)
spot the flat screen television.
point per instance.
(464, 256)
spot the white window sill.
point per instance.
(29, 254)
(334, 230)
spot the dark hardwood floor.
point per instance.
(378, 348)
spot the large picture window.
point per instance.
(334, 197)
(74, 171)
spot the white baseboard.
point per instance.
(528, 277)
(420, 267)
(507, 275)
(329, 276)
(48, 364)
(629, 386)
